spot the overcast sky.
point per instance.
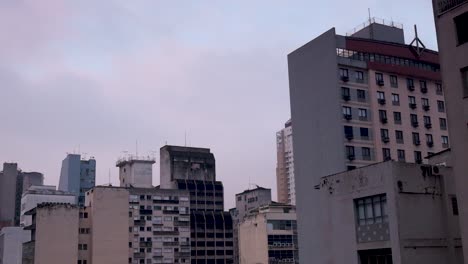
(102, 74)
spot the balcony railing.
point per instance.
(445, 5)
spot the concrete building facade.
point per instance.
(193, 170)
(269, 235)
(77, 176)
(11, 244)
(285, 182)
(451, 19)
(136, 171)
(357, 100)
(42, 194)
(390, 212)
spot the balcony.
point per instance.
(424, 90)
(412, 105)
(346, 97)
(170, 211)
(166, 233)
(349, 136)
(182, 254)
(430, 144)
(385, 139)
(426, 107)
(139, 255)
(146, 244)
(351, 157)
(170, 244)
(347, 117)
(383, 120)
(417, 142)
(344, 78)
(380, 83)
(146, 212)
(415, 124)
(381, 101)
(411, 88)
(445, 5)
(139, 222)
(428, 125)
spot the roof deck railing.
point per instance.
(445, 5)
(376, 20)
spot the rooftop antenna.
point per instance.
(136, 147)
(370, 18)
(109, 177)
(420, 47)
(371, 29)
(185, 135)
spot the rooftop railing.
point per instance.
(376, 20)
(445, 5)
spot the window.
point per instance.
(383, 116)
(429, 139)
(84, 230)
(427, 121)
(393, 81)
(399, 136)
(410, 84)
(350, 152)
(379, 78)
(460, 24)
(362, 114)
(386, 154)
(401, 155)
(83, 215)
(445, 142)
(464, 73)
(371, 210)
(454, 205)
(348, 130)
(281, 225)
(82, 261)
(359, 76)
(345, 93)
(364, 133)
(423, 86)
(414, 120)
(412, 102)
(381, 95)
(344, 72)
(441, 106)
(416, 140)
(395, 99)
(425, 102)
(346, 110)
(366, 153)
(443, 123)
(384, 135)
(82, 246)
(397, 117)
(361, 95)
(417, 156)
(439, 89)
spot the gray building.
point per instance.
(390, 212)
(193, 170)
(246, 202)
(11, 244)
(77, 176)
(357, 100)
(451, 19)
(13, 183)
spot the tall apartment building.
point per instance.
(451, 19)
(358, 100)
(390, 212)
(13, 182)
(77, 176)
(269, 235)
(285, 182)
(193, 170)
(117, 225)
(246, 202)
(42, 194)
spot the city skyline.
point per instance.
(103, 76)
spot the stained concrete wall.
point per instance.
(8, 192)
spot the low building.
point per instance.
(391, 212)
(269, 235)
(11, 244)
(42, 194)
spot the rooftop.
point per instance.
(253, 190)
(134, 159)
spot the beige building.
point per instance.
(285, 183)
(392, 212)
(268, 235)
(451, 19)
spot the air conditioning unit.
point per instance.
(380, 83)
(428, 125)
(412, 105)
(381, 101)
(426, 107)
(415, 124)
(429, 170)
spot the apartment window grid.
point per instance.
(393, 81)
(460, 26)
(429, 139)
(381, 95)
(350, 152)
(371, 210)
(395, 99)
(364, 131)
(401, 155)
(427, 122)
(397, 118)
(345, 93)
(412, 102)
(425, 104)
(344, 73)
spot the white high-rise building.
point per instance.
(285, 165)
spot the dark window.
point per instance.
(386, 154)
(460, 23)
(371, 210)
(417, 156)
(439, 89)
(394, 81)
(443, 123)
(416, 140)
(384, 135)
(429, 139)
(454, 205)
(379, 78)
(350, 151)
(412, 99)
(395, 99)
(464, 73)
(345, 91)
(362, 114)
(445, 142)
(366, 155)
(361, 95)
(427, 120)
(401, 155)
(364, 132)
(359, 76)
(410, 83)
(348, 130)
(425, 101)
(382, 114)
(397, 117)
(414, 120)
(344, 72)
(441, 106)
(423, 86)
(399, 136)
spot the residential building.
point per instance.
(42, 194)
(11, 244)
(451, 19)
(148, 225)
(391, 212)
(285, 183)
(193, 169)
(77, 176)
(357, 100)
(269, 235)
(136, 171)
(246, 202)
(13, 182)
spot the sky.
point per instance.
(96, 77)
